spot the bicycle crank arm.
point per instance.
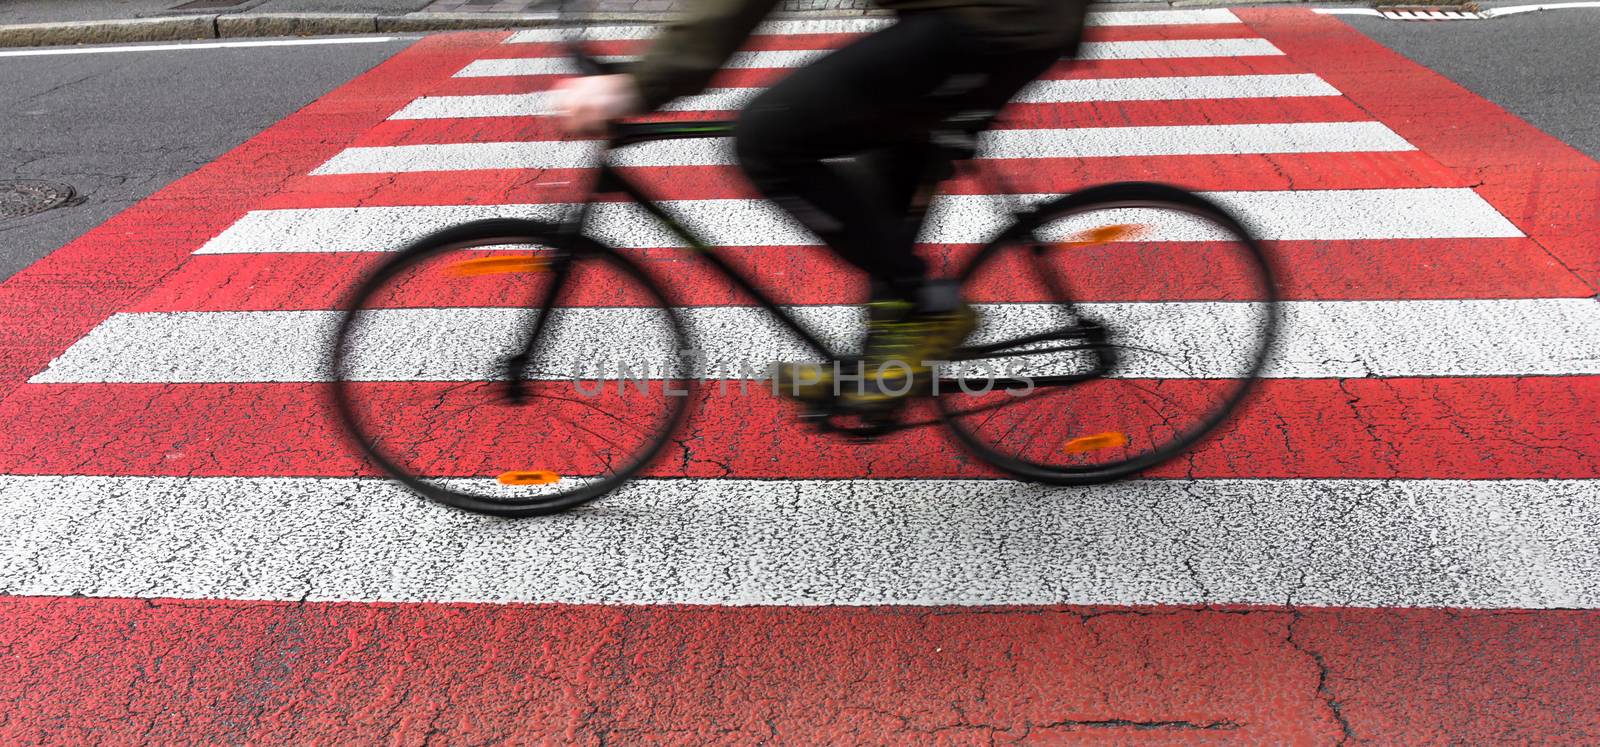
(1092, 334)
(1009, 353)
(1087, 337)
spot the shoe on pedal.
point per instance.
(812, 383)
(900, 347)
(900, 357)
(903, 338)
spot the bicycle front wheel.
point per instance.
(504, 368)
(1119, 326)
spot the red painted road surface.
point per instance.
(110, 635)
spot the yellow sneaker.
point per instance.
(899, 353)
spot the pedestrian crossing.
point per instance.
(1394, 540)
(1404, 451)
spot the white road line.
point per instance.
(787, 58)
(1091, 142)
(630, 33)
(1524, 544)
(1163, 17)
(1514, 9)
(1277, 215)
(864, 25)
(1039, 92)
(1321, 339)
(1177, 49)
(200, 45)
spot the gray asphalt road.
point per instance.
(120, 126)
(1543, 67)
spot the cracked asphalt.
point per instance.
(597, 675)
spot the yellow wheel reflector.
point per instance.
(497, 265)
(1096, 442)
(1104, 235)
(535, 477)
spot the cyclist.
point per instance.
(844, 144)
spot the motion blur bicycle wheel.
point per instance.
(1172, 308)
(461, 417)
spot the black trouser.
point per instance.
(844, 144)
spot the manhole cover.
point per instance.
(23, 198)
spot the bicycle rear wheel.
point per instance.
(599, 393)
(1125, 324)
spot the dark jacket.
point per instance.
(691, 49)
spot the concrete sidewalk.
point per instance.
(25, 23)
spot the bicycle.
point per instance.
(536, 291)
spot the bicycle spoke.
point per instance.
(1129, 380)
(552, 440)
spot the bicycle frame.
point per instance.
(608, 180)
(1064, 329)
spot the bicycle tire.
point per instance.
(411, 263)
(1120, 196)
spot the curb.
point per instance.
(295, 24)
(103, 32)
(223, 26)
(219, 26)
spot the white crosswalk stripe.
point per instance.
(786, 58)
(1040, 92)
(864, 25)
(1496, 543)
(1277, 215)
(1088, 142)
(1320, 339)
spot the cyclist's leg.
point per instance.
(874, 102)
(863, 98)
(844, 145)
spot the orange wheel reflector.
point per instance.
(497, 265)
(1104, 235)
(1096, 442)
(535, 477)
